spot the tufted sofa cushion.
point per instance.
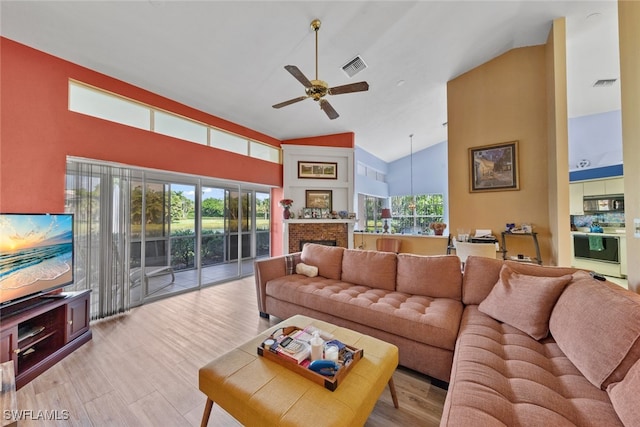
(502, 376)
(432, 276)
(432, 321)
(370, 268)
(328, 259)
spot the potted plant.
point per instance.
(438, 228)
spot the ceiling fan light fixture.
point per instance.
(317, 89)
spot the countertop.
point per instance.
(399, 235)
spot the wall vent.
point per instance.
(604, 82)
(354, 66)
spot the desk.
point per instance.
(534, 236)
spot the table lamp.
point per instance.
(386, 215)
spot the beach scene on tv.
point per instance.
(36, 253)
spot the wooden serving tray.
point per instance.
(329, 382)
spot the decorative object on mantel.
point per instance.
(386, 215)
(286, 204)
(317, 170)
(438, 227)
(494, 167)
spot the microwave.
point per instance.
(609, 203)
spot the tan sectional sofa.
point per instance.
(519, 344)
(503, 376)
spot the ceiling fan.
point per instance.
(317, 89)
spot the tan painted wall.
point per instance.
(558, 154)
(410, 244)
(629, 35)
(502, 100)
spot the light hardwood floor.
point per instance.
(141, 368)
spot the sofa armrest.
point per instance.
(265, 270)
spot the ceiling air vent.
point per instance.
(584, 163)
(604, 82)
(354, 66)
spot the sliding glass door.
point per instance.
(263, 224)
(164, 233)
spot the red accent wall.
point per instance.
(343, 140)
(38, 131)
(276, 222)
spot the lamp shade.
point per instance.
(386, 214)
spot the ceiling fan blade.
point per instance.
(295, 72)
(328, 109)
(291, 101)
(353, 87)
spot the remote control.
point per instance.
(597, 276)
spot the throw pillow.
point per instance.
(307, 270)
(623, 396)
(524, 302)
(290, 262)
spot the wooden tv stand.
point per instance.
(42, 331)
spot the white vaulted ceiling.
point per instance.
(227, 57)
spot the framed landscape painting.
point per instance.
(320, 199)
(494, 167)
(317, 170)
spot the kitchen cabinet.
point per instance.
(593, 188)
(576, 194)
(598, 187)
(614, 186)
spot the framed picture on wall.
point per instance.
(317, 170)
(494, 167)
(320, 199)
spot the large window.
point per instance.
(373, 208)
(412, 215)
(144, 235)
(96, 102)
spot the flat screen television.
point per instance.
(36, 255)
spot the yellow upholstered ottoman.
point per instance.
(259, 392)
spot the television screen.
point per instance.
(36, 254)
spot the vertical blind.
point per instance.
(98, 196)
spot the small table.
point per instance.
(259, 392)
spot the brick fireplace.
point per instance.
(321, 231)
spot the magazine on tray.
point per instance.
(297, 345)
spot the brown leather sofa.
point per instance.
(519, 344)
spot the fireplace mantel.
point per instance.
(342, 227)
(318, 221)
